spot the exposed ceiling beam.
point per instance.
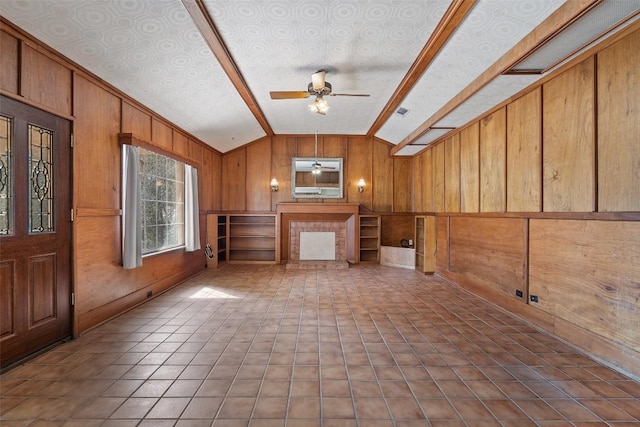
(456, 12)
(203, 21)
(556, 21)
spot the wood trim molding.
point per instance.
(619, 357)
(30, 103)
(38, 46)
(599, 216)
(130, 139)
(86, 321)
(92, 212)
(454, 15)
(203, 21)
(557, 20)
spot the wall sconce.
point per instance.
(361, 185)
(274, 185)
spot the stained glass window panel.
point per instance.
(41, 180)
(6, 202)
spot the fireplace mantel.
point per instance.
(319, 208)
(319, 212)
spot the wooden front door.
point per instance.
(35, 230)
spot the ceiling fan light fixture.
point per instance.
(317, 80)
(320, 106)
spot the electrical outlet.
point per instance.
(533, 298)
(519, 293)
(410, 242)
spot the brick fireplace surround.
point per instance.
(295, 227)
(341, 218)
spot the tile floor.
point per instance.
(263, 346)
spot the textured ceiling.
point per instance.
(279, 44)
(154, 51)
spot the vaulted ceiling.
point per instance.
(208, 65)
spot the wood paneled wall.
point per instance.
(37, 76)
(568, 169)
(247, 172)
(549, 191)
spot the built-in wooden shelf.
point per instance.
(425, 244)
(241, 238)
(252, 238)
(217, 239)
(369, 238)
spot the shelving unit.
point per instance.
(369, 238)
(419, 243)
(251, 238)
(426, 244)
(221, 248)
(217, 238)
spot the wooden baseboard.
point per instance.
(623, 359)
(91, 319)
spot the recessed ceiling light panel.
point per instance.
(597, 22)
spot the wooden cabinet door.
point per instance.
(35, 230)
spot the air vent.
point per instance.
(402, 112)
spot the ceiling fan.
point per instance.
(319, 88)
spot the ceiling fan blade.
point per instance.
(317, 79)
(349, 94)
(291, 94)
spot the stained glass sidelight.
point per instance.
(41, 180)
(6, 202)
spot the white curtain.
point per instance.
(131, 206)
(191, 209)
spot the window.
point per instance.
(162, 196)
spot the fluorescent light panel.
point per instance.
(431, 135)
(410, 150)
(594, 24)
